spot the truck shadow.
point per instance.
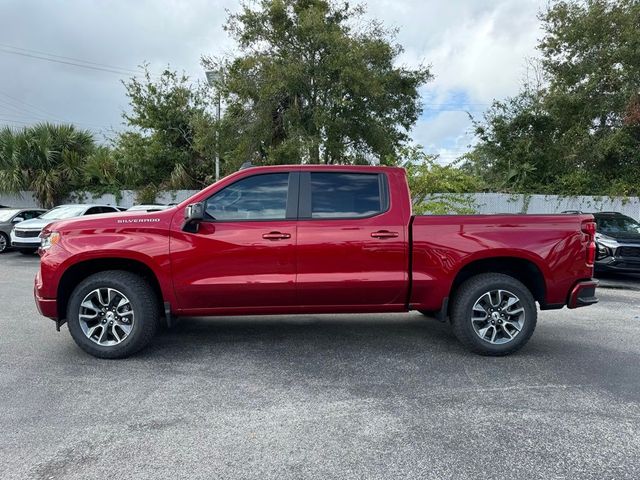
(306, 332)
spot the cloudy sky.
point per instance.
(477, 50)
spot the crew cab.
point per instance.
(310, 239)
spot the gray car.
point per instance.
(9, 217)
(25, 237)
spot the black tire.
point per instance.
(5, 243)
(28, 251)
(462, 311)
(144, 303)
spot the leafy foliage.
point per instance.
(168, 145)
(45, 158)
(436, 189)
(576, 128)
(314, 83)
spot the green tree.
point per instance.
(518, 147)
(436, 189)
(165, 147)
(47, 159)
(578, 131)
(314, 83)
(101, 172)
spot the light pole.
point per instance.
(213, 76)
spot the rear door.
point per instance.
(243, 255)
(351, 243)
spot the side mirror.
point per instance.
(17, 220)
(193, 215)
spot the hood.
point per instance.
(33, 224)
(622, 237)
(112, 220)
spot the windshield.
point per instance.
(7, 213)
(66, 211)
(617, 224)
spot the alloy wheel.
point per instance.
(498, 316)
(106, 316)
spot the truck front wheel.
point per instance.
(113, 314)
(493, 314)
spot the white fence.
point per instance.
(505, 203)
(127, 198)
(483, 202)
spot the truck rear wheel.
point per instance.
(493, 314)
(113, 314)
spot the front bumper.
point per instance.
(47, 307)
(618, 264)
(27, 243)
(583, 294)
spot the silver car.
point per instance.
(9, 217)
(25, 236)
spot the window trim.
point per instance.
(291, 208)
(304, 207)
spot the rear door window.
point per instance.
(347, 195)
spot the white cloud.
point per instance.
(477, 52)
(476, 49)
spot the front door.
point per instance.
(243, 254)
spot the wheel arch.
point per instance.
(522, 269)
(77, 272)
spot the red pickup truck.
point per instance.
(310, 239)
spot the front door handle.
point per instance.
(384, 234)
(276, 236)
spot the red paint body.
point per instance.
(323, 265)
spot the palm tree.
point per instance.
(45, 158)
(12, 150)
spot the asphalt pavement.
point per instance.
(322, 397)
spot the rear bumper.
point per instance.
(583, 294)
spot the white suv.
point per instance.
(25, 236)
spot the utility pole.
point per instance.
(212, 78)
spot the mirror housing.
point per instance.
(193, 215)
(17, 220)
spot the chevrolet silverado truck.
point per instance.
(310, 240)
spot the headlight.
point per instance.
(49, 239)
(603, 252)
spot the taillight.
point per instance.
(591, 253)
(589, 227)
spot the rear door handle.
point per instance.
(384, 234)
(276, 236)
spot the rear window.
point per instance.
(346, 195)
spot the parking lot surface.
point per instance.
(321, 397)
